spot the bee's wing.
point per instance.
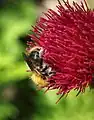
(27, 59)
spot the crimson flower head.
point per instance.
(67, 39)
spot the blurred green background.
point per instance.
(19, 99)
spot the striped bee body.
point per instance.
(41, 70)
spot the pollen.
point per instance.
(38, 80)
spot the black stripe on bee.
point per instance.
(46, 70)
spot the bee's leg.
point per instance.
(28, 70)
(37, 71)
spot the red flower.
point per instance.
(67, 37)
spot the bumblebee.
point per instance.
(41, 71)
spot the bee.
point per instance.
(41, 71)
